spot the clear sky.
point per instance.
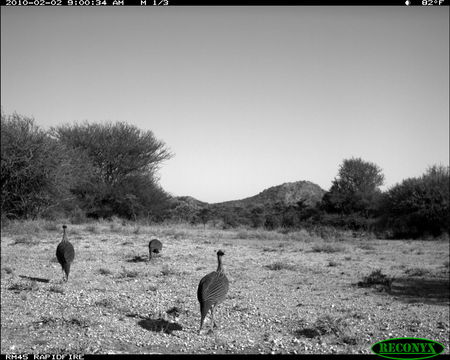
(245, 97)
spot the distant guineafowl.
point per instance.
(211, 291)
(65, 254)
(154, 246)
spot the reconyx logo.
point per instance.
(407, 348)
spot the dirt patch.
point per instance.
(288, 294)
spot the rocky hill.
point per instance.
(287, 193)
(253, 211)
(191, 201)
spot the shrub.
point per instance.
(20, 286)
(365, 246)
(37, 170)
(80, 322)
(328, 248)
(272, 222)
(137, 230)
(105, 302)
(300, 235)
(279, 265)
(19, 227)
(104, 271)
(324, 325)
(26, 240)
(417, 272)
(92, 229)
(265, 249)
(57, 289)
(115, 228)
(51, 226)
(77, 216)
(8, 270)
(419, 206)
(376, 277)
(166, 270)
(128, 273)
(327, 324)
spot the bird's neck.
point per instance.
(219, 266)
(64, 236)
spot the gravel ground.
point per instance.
(287, 294)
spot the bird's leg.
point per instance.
(202, 320)
(214, 324)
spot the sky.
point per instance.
(244, 97)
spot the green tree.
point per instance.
(37, 172)
(125, 160)
(204, 215)
(272, 222)
(257, 217)
(116, 149)
(419, 206)
(355, 189)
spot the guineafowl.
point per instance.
(212, 290)
(154, 246)
(65, 253)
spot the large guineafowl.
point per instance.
(65, 254)
(211, 291)
(154, 246)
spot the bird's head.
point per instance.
(220, 253)
(64, 227)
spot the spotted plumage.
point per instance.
(212, 290)
(65, 253)
(154, 246)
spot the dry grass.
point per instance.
(127, 273)
(92, 229)
(376, 277)
(26, 240)
(290, 292)
(8, 270)
(416, 271)
(281, 266)
(56, 289)
(23, 286)
(328, 248)
(104, 271)
(324, 325)
(105, 302)
(366, 246)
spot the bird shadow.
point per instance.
(34, 278)
(137, 258)
(158, 325)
